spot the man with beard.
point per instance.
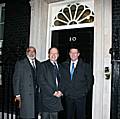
(25, 86)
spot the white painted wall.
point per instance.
(102, 58)
(38, 28)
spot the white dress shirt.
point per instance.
(32, 62)
(75, 64)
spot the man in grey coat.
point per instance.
(25, 86)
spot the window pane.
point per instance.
(0, 54)
(3, 14)
(2, 18)
(74, 14)
(1, 44)
(1, 31)
(0, 69)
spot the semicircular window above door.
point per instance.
(74, 14)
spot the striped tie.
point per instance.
(33, 64)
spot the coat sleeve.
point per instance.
(17, 78)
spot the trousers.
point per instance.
(49, 115)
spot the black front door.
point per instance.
(83, 38)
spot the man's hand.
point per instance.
(58, 94)
(18, 101)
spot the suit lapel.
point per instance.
(27, 65)
(52, 80)
(36, 62)
(67, 67)
(77, 70)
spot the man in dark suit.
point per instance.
(77, 81)
(49, 81)
(24, 84)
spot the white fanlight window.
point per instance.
(74, 14)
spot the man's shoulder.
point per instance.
(44, 63)
(66, 62)
(37, 61)
(21, 61)
(85, 65)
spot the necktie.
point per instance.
(56, 73)
(33, 64)
(34, 76)
(72, 70)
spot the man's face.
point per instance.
(74, 54)
(53, 55)
(31, 53)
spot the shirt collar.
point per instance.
(30, 60)
(53, 62)
(75, 62)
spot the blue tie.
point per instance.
(72, 70)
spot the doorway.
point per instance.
(83, 39)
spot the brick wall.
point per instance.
(16, 40)
(115, 98)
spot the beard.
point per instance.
(31, 57)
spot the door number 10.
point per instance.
(72, 39)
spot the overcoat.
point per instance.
(47, 81)
(81, 82)
(24, 85)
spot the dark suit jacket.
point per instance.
(48, 86)
(82, 80)
(23, 85)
